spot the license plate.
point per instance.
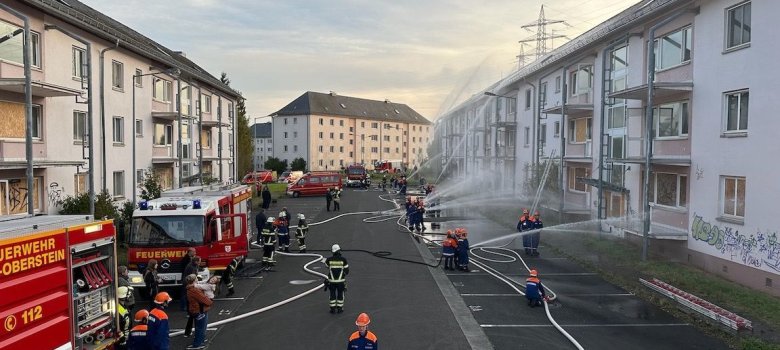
(168, 278)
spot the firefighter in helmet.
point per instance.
(269, 242)
(138, 339)
(229, 274)
(158, 327)
(300, 233)
(338, 269)
(363, 339)
(534, 290)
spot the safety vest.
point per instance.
(337, 269)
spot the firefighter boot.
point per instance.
(231, 292)
(333, 309)
(339, 309)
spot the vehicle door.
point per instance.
(314, 186)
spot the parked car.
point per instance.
(314, 184)
(290, 176)
(264, 176)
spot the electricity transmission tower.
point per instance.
(541, 36)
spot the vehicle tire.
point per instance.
(296, 194)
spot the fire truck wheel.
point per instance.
(296, 194)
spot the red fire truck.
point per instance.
(57, 287)
(212, 219)
(356, 174)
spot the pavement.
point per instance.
(414, 306)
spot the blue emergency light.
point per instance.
(196, 204)
(143, 205)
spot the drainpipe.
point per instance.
(91, 140)
(181, 144)
(649, 122)
(564, 98)
(103, 114)
(534, 137)
(219, 142)
(602, 122)
(200, 136)
(28, 144)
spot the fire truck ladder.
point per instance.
(543, 181)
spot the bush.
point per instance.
(275, 164)
(79, 205)
(298, 164)
(151, 186)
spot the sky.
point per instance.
(428, 54)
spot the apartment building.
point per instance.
(262, 142)
(330, 131)
(589, 108)
(131, 123)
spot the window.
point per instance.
(543, 93)
(738, 25)
(671, 120)
(558, 84)
(581, 80)
(375, 125)
(163, 134)
(616, 147)
(351, 129)
(414, 150)
(527, 136)
(386, 138)
(138, 79)
(321, 123)
(557, 129)
(374, 149)
(321, 148)
(285, 134)
(331, 135)
(362, 124)
(543, 134)
(737, 111)
(331, 122)
(669, 190)
(580, 130)
(351, 142)
(414, 127)
(331, 149)
(295, 148)
(295, 120)
(285, 121)
(374, 137)
(320, 134)
(295, 134)
(139, 128)
(341, 149)
(675, 49)
(574, 175)
(341, 136)
(79, 125)
(733, 196)
(162, 90)
(13, 42)
(616, 118)
(414, 139)
(285, 148)
(79, 59)
(117, 75)
(119, 183)
(528, 99)
(386, 149)
(350, 154)
(139, 175)
(207, 138)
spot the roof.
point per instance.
(317, 103)
(261, 130)
(95, 22)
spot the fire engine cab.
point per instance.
(211, 219)
(58, 283)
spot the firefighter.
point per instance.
(269, 242)
(300, 233)
(137, 339)
(283, 231)
(260, 219)
(463, 250)
(229, 274)
(411, 210)
(534, 290)
(158, 329)
(448, 247)
(328, 198)
(420, 222)
(536, 225)
(337, 199)
(402, 185)
(338, 269)
(124, 317)
(363, 339)
(523, 225)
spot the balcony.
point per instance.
(13, 156)
(663, 90)
(212, 123)
(505, 120)
(209, 154)
(581, 103)
(162, 154)
(579, 151)
(39, 88)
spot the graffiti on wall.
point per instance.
(55, 193)
(757, 250)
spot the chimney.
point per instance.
(181, 53)
(387, 100)
(332, 93)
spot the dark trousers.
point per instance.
(190, 322)
(284, 242)
(268, 254)
(336, 205)
(201, 321)
(449, 262)
(534, 239)
(336, 294)
(328, 204)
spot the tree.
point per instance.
(79, 205)
(298, 164)
(244, 150)
(151, 187)
(275, 164)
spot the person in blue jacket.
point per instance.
(158, 326)
(463, 249)
(411, 216)
(283, 232)
(536, 225)
(524, 225)
(137, 339)
(534, 290)
(363, 339)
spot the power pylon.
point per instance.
(542, 36)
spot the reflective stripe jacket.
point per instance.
(534, 288)
(158, 329)
(369, 341)
(137, 340)
(338, 269)
(302, 229)
(448, 246)
(268, 234)
(124, 320)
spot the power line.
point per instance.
(541, 36)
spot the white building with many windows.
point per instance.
(695, 129)
(136, 123)
(262, 143)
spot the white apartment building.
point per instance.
(135, 120)
(262, 143)
(330, 131)
(587, 103)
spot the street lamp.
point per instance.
(175, 72)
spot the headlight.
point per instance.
(136, 279)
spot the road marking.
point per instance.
(236, 298)
(182, 329)
(522, 274)
(490, 295)
(568, 295)
(602, 295)
(584, 325)
(475, 308)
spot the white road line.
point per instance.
(180, 330)
(228, 298)
(568, 295)
(584, 325)
(491, 295)
(601, 295)
(521, 274)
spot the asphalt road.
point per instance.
(413, 306)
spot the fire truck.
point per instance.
(356, 173)
(57, 287)
(212, 219)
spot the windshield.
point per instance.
(167, 230)
(355, 171)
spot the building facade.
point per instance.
(330, 131)
(673, 157)
(262, 143)
(135, 125)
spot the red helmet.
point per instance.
(162, 298)
(362, 320)
(534, 273)
(525, 211)
(141, 315)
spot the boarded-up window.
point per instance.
(13, 196)
(12, 121)
(578, 173)
(166, 177)
(80, 182)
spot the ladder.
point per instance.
(543, 181)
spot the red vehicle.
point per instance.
(387, 166)
(265, 176)
(212, 219)
(314, 184)
(58, 286)
(356, 174)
